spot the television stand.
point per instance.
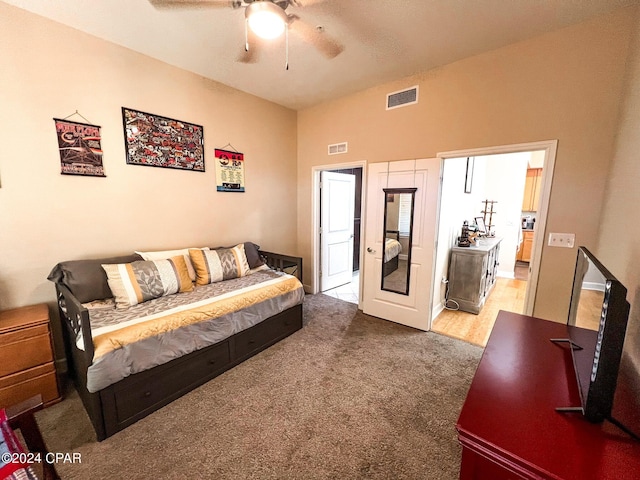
(508, 426)
(572, 344)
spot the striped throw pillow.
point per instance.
(220, 264)
(137, 282)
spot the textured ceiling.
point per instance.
(383, 39)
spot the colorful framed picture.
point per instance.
(229, 171)
(158, 141)
(79, 147)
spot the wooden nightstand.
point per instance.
(26, 356)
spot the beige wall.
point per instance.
(564, 85)
(48, 70)
(619, 242)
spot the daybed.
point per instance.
(131, 355)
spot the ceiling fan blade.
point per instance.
(306, 3)
(163, 4)
(329, 47)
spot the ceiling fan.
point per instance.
(266, 20)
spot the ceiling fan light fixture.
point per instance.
(266, 19)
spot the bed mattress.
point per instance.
(137, 338)
(392, 249)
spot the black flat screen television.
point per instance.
(599, 307)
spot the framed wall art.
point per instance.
(229, 171)
(79, 147)
(158, 141)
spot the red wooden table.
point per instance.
(508, 426)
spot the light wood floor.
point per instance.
(507, 294)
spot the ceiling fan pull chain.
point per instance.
(286, 36)
(246, 35)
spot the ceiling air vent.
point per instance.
(338, 148)
(402, 98)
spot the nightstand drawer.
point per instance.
(20, 386)
(25, 375)
(24, 352)
(26, 356)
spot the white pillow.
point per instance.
(163, 255)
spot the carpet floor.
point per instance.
(347, 397)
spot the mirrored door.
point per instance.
(409, 181)
(397, 234)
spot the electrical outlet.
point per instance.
(566, 240)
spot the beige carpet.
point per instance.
(347, 397)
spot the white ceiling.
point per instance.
(384, 40)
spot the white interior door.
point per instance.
(414, 309)
(337, 200)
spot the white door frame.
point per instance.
(550, 148)
(315, 219)
(337, 213)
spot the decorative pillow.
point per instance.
(137, 282)
(86, 279)
(220, 264)
(162, 255)
(251, 251)
(253, 257)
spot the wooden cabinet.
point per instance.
(524, 254)
(532, 187)
(509, 427)
(472, 274)
(26, 356)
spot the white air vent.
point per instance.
(338, 148)
(402, 98)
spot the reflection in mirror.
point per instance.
(397, 234)
(588, 297)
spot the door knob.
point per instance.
(370, 250)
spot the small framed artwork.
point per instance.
(481, 225)
(79, 146)
(468, 179)
(158, 141)
(229, 171)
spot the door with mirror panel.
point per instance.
(400, 228)
(396, 258)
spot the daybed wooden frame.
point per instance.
(133, 398)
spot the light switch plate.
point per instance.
(566, 240)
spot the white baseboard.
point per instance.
(437, 310)
(504, 274)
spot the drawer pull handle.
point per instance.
(212, 362)
(147, 394)
(251, 342)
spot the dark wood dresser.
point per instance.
(508, 426)
(26, 356)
